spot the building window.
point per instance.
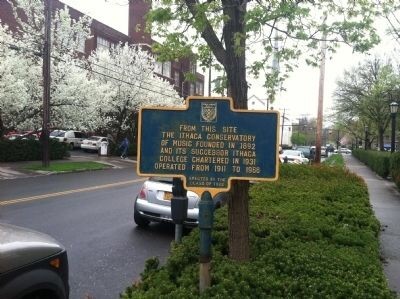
(158, 67)
(176, 78)
(199, 88)
(192, 90)
(193, 67)
(103, 43)
(80, 44)
(166, 71)
(163, 68)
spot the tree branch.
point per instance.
(209, 34)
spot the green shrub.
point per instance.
(115, 151)
(395, 168)
(379, 162)
(29, 150)
(312, 235)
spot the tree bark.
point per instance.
(232, 58)
(1, 126)
(238, 219)
(381, 133)
(238, 209)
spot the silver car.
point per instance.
(153, 203)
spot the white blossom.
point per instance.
(127, 72)
(102, 93)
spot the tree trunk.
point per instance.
(381, 141)
(235, 66)
(1, 126)
(238, 217)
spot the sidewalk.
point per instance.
(385, 200)
(14, 170)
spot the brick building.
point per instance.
(104, 36)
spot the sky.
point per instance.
(301, 96)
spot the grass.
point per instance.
(335, 160)
(67, 166)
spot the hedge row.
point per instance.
(377, 161)
(395, 168)
(383, 163)
(29, 150)
(312, 233)
(114, 150)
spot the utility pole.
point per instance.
(46, 85)
(209, 76)
(283, 124)
(320, 102)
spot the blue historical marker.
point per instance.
(208, 143)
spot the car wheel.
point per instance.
(139, 220)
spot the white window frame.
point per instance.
(177, 78)
(199, 88)
(166, 69)
(103, 43)
(192, 89)
(80, 44)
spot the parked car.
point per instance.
(306, 151)
(14, 136)
(24, 135)
(72, 138)
(153, 203)
(323, 150)
(293, 157)
(32, 265)
(93, 143)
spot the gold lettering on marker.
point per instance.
(184, 135)
(208, 129)
(187, 128)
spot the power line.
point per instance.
(18, 48)
(111, 70)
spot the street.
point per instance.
(90, 213)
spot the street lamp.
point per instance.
(393, 111)
(366, 138)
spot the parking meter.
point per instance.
(179, 202)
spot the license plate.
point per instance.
(167, 195)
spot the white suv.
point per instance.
(72, 138)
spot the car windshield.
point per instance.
(57, 134)
(304, 149)
(94, 138)
(292, 153)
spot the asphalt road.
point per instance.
(91, 214)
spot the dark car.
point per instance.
(32, 265)
(306, 151)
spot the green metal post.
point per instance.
(206, 219)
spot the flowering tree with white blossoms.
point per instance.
(19, 84)
(128, 73)
(21, 69)
(106, 98)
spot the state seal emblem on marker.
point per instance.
(208, 112)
